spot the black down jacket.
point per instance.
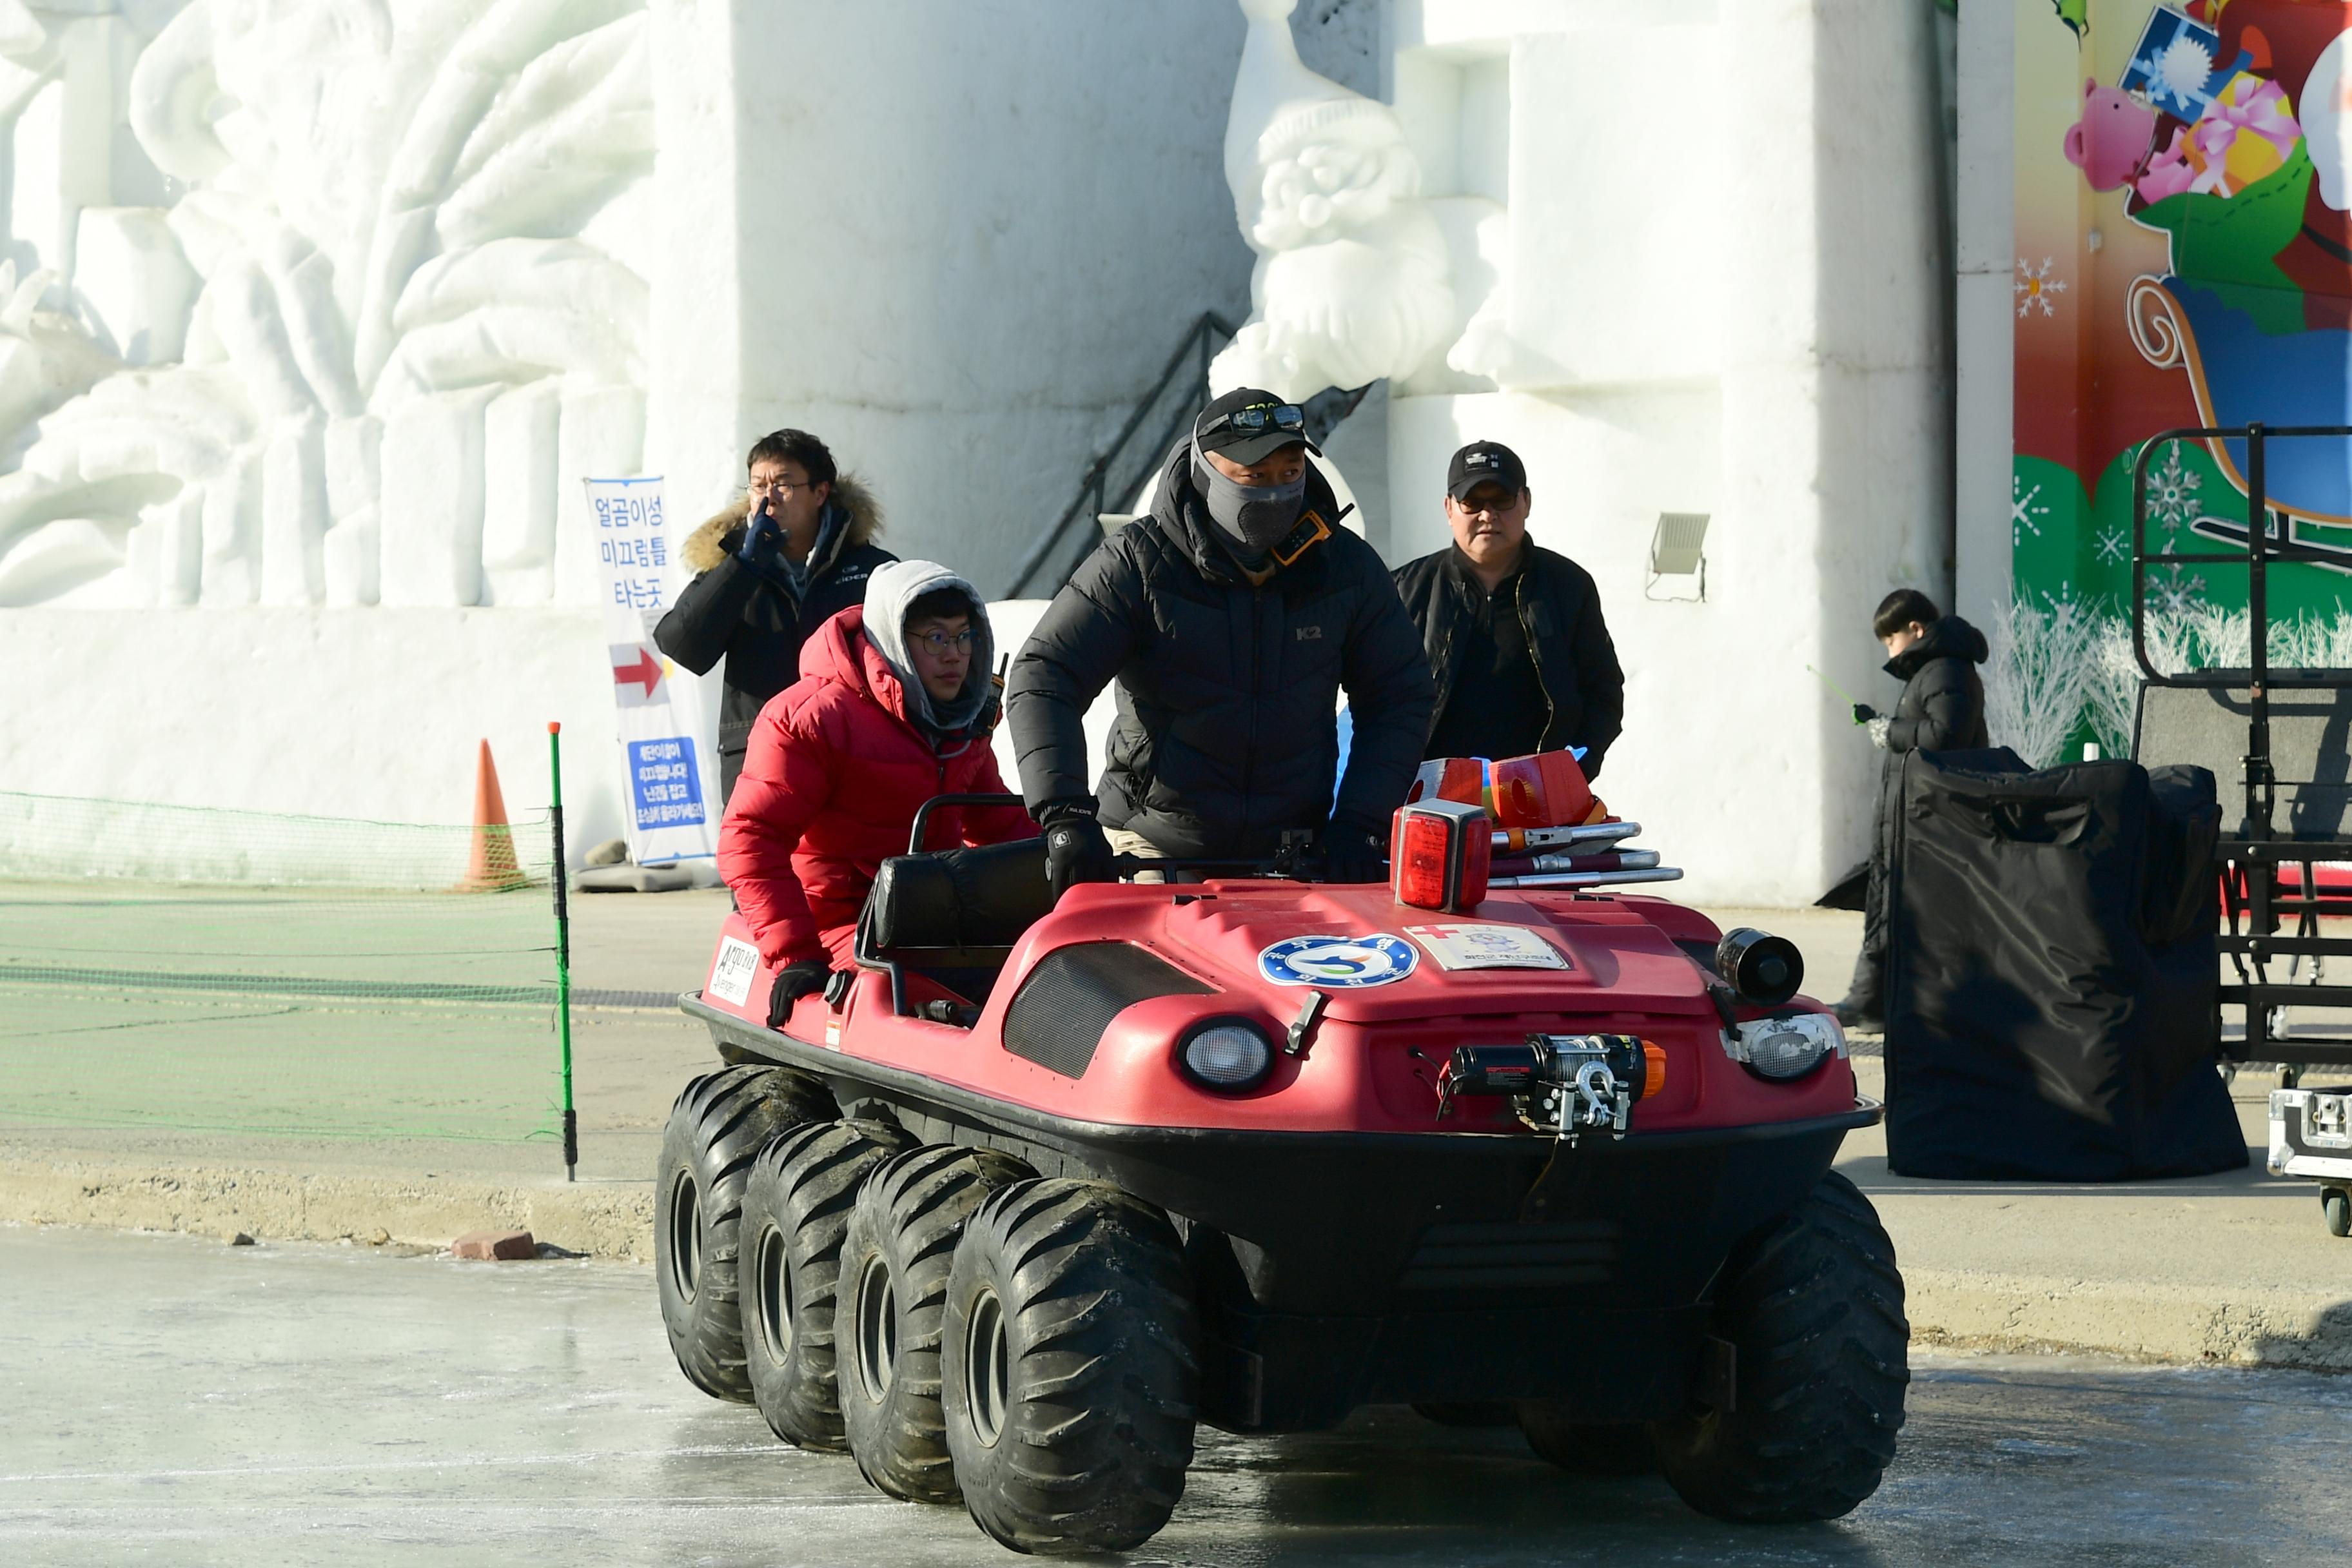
(1942, 705)
(754, 620)
(1227, 690)
(1559, 618)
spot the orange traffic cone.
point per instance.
(491, 867)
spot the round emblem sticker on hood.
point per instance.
(1343, 962)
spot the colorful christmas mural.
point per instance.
(2184, 173)
(2183, 209)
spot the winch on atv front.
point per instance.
(1037, 1188)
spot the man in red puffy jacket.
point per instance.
(894, 705)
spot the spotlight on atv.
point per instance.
(1765, 970)
(1228, 1054)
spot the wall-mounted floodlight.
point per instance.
(1678, 551)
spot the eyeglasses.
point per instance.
(781, 487)
(941, 642)
(1258, 415)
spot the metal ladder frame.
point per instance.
(2254, 859)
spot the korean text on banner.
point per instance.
(670, 816)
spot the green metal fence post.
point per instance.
(563, 947)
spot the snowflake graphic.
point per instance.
(2110, 546)
(2179, 594)
(2062, 608)
(2034, 286)
(2172, 491)
(2026, 510)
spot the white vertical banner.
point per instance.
(670, 809)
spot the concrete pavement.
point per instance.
(2234, 1270)
(176, 1400)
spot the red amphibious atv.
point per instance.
(1036, 1189)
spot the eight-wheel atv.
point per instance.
(1035, 1189)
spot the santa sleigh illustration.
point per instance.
(2229, 133)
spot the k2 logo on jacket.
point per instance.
(1308, 634)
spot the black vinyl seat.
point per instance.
(953, 915)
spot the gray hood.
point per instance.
(890, 593)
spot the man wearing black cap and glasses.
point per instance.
(1513, 631)
(1232, 615)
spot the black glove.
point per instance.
(794, 980)
(762, 535)
(1076, 848)
(1864, 712)
(1353, 853)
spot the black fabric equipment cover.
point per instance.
(2051, 971)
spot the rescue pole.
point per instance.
(563, 947)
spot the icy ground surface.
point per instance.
(176, 1400)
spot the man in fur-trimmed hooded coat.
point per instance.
(751, 603)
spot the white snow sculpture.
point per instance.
(1350, 283)
(45, 357)
(384, 207)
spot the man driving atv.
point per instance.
(894, 705)
(1232, 616)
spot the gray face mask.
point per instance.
(1256, 517)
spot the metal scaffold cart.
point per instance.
(2276, 740)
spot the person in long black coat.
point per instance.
(1935, 655)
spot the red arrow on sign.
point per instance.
(647, 671)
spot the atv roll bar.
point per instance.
(923, 811)
(1282, 865)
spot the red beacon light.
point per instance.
(1439, 853)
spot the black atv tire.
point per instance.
(795, 1208)
(1586, 1447)
(1069, 1367)
(1814, 1307)
(715, 1128)
(889, 1307)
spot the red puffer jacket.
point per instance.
(830, 787)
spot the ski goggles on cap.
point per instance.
(1259, 416)
(1248, 433)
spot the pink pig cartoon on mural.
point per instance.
(2110, 143)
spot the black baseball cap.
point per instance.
(1249, 423)
(1485, 462)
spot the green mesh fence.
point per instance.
(232, 971)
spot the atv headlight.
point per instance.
(1226, 1052)
(1787, 1047)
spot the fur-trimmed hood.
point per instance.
(705, 547)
